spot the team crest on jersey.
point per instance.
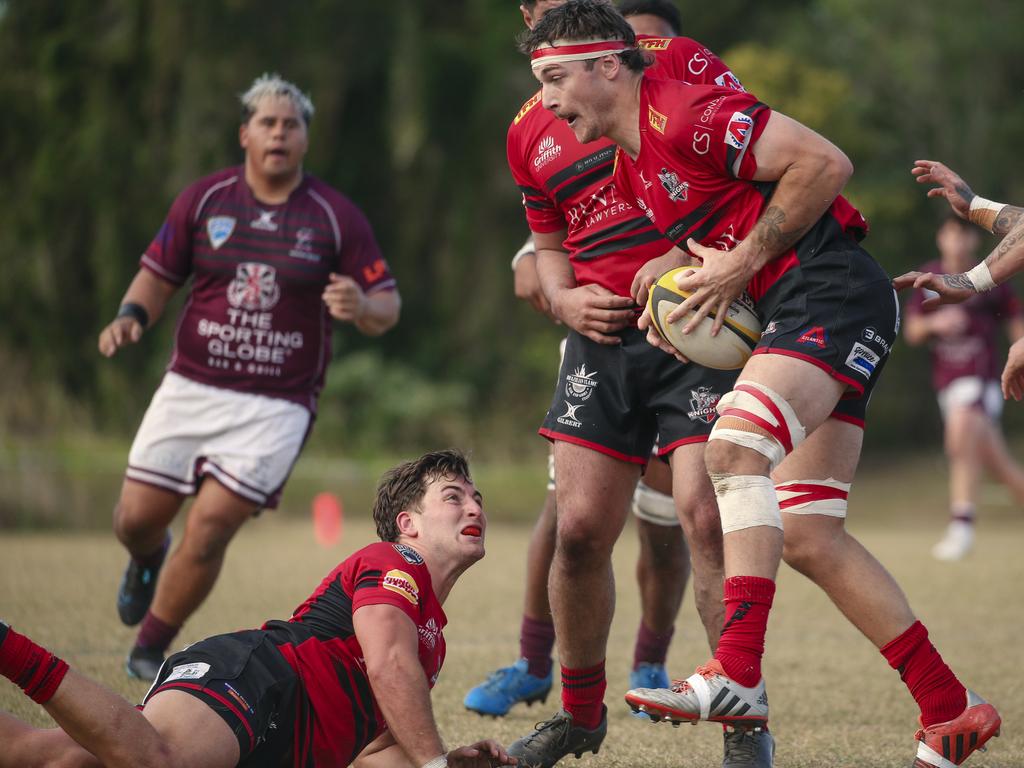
(738, 130)
(677, 190)
(569, 418)
(265, 221)
(219, 229)
(729, 80)
(580, 383)
(410, 555)
(702, 404)
(303, 248)
(530, 104)
(547, 151)
(658, 121)
(654, 43)
(401, 583)
(429, 633)
(254, 287)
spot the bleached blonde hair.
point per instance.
(272, 84)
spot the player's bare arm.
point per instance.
(590, 310)
(372, 314)
(810, 173)
(142, 305)
(389, 641)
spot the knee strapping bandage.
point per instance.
(766, 412)
(746, 501)
(653, 506)
(813, 497)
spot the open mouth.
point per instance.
(276, 153)
(472, 530)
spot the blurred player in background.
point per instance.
(273, 254)
(963, 341)
(597, 255)
(663, 565)
(346, 679)
(1007, 259)
(756, 196)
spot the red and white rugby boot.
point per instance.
(949, 744)
(708, 694)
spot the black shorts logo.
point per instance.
(580, 384)
(568, 419)
(702, 404)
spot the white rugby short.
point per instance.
(971, 392)
(248, 443)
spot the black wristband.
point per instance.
(135, 311)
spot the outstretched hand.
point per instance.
(712, 288)
(483, 754)
(950, 186)
(1013, 374)
(121, 331)
(939, 288)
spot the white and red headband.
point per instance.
(575, 50)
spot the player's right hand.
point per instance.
(482, 754)
(123, 330)
(1013, 374)
(951, 186)
(527, 285)
(655, 339)
(939, 288)
(595, 312)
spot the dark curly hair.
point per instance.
(403, 487)
(583, 19)
(665, 10)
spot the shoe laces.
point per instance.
(704, 670)
(741, 747)
(560, 722)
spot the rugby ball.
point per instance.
(729, 350)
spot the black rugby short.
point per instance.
(616, 399)
(837, 310)
(243, 678)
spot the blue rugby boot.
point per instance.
(505, 687)
(647, 675)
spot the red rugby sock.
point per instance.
(29, 666)
(583, 694)
(536, 639)
(748, 600)
(932, 683)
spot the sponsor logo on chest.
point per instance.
(254, 287)
(547, 151)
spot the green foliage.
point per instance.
(112, 106)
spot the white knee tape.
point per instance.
(813, 497)
(768, 411)
(551, 471)
(653, 506)
(746, 501)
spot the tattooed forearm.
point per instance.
(769, 234)
(964, 191)
(959, 281)
(1007, 219)
(1009, 248)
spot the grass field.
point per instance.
(834, 700)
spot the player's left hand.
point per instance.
(344, 298)
(939, 289)
(655, 339)
(482, 754)
(649, 273)
(1013, 373)
(714, 287)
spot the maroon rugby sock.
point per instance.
(748, 600)
(932, 683)
(536, 639)
(583, 694)
(155, 633)
(29, 666)
(651, 647)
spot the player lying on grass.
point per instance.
(346, 679)
(1005, 261)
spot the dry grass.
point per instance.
(834, 700)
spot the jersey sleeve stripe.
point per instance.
(582, 182)
(538, 205)
(330, 215)
(153, 266)
(205, 198)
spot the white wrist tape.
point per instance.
(527, 250)
(984, 212)
(981, 278)
(441, 761)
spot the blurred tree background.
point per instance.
(112, 106)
